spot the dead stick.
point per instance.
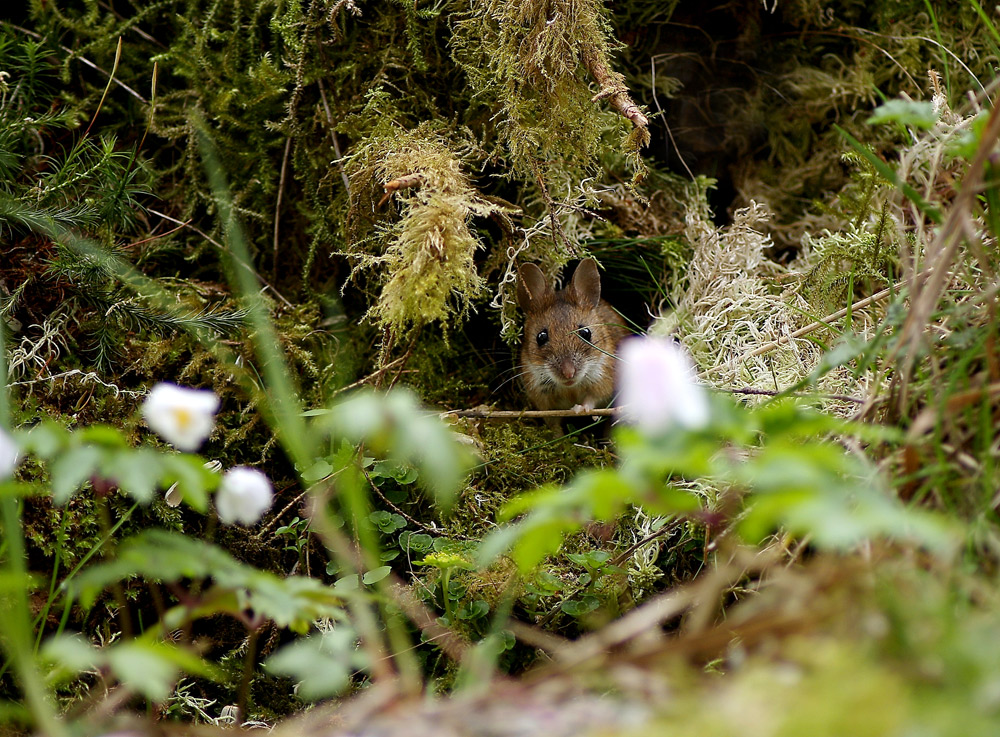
(517, 414)
(339, 161)
(452, 643)
(612, 87)
(823, 322)
(221, 247)
(83, 60)
(374, 375)
(277, 205)
(524, 414)
(404, 182)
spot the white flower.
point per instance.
(658, 386)
(244, 495)
(183, 417)
(9, 455)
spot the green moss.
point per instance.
(425, 259)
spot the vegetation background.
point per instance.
(282, 201)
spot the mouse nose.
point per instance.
(568, 369)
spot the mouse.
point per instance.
(571, 336)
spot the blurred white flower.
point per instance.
(658, 386)
(244, 495)
(183, 417)
(9, 455)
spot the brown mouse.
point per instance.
(570, 338)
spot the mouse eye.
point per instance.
(542, 338)
(584, 333)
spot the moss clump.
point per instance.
(425, 258)
(530, 60)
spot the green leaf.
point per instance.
(348, 583)
(72, 654)
(45, 439)
(376, 575)
(473, 610)
(294, 602)
(137, 472)
(317, 471)
(905, 112)
(580, 607)
(193, 480)
(105, 435)
(395, 427)
(401, 473)
(159, 555)
(18, 489)
(72, 468)
(387, 522)
(969, 140)
(418, 542)
(322, 664)
(144, 668)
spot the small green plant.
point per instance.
(778, 466)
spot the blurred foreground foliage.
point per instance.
(325, 193)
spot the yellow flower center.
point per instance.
(184, 417)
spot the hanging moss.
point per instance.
(425, 258)
(530, 61)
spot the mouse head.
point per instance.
(535, 293)
(563, 329)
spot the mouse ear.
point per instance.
(531, 285)
(586, 284)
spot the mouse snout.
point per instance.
(567, 369)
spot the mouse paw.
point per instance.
(581, 409)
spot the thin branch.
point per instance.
(277, 205)
(84, 60)
(557, 232)
(416, 523)
(652, 614)
(822, 322)
(221, 247)
(612, 88)
(517, 414)
(373, 375)
(525, 414)
(333, 135)
(133, 244)
(453, 645)
(536, 637)
(114, 70)
(773, 393)
(663, 117)
(665, 530)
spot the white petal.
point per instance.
(244, 495)
(658, 386)
(181, 416)
(9, 455)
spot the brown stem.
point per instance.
(612, 87)
(517, 414)
(277, 205)
(416, 523)
(403, 182)
(557, 232)
(665, 530)
(248, 664)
